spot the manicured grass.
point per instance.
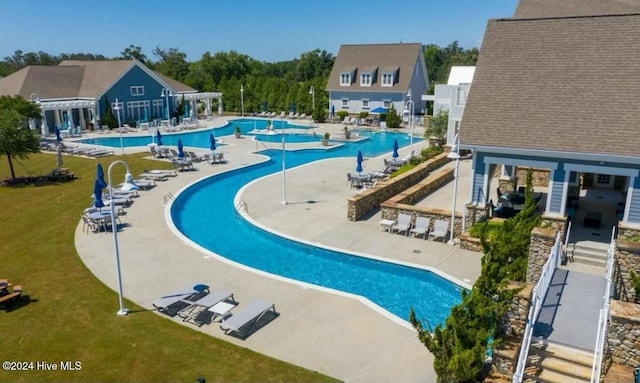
(70, 314)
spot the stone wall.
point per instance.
(556, 223)
(539, 177)
(626, 231)
(476, 213)
(624, 333)
(627, 258)
(363, 203)
(468, 242)
(542, 241)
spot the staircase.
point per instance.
(552, 363)
(588, 253)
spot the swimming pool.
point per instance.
(214, 224)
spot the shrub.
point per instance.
(431, 151)
(342, 114)
(393, 118)
(635, 281)
(363, 115)
(438, 126)
(490, 226)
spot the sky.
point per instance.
(265, 30)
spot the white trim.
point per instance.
(630, 191)
(521, 162)
(609, 158)
(565, 191)
(550, 190)
(602, 170)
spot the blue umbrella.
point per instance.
(57, 131)
(186, 110)
(180, 152)
(159, 137)
(212, 140)
(359, 162)
(379, 110)
(395, 148)
(100, 176)
(333, 110)
(97, 194)
(293, 107)
(146, 114)
(264, 106)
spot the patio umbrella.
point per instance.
(395, 148)
(359, 162)
(100, 176)
(292, 108)
(333, 110)
(180, 152)
(59, 156)
(57, 132)
(264, 106)
(97, 194)
(159, 137)
(212, 141)
(146, 114)
(379, 110)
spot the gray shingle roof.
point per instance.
(365, 57)
(563, 8)
(566, 84)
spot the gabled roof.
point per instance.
(386, 57)
(461, 75)
(75, 78)
(563, 8)
(567, 84)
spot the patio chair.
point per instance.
(403, 224)
(167, 303)
(440, 229)
(247, 318)
(196, 310)
(421, 227)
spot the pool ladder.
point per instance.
(241, 206)
(169, 197)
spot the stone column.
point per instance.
(542, 241)
(624, 333)
(627, 258)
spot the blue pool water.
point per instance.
(205, 213)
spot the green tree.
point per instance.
(16, 140)
(393, 118)
(438, 125)
(107, 117)
(133, 52)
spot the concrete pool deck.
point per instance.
(336, 334)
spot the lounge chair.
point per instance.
(247, 318)
(167, 303)
(440, 229)
(164, 172)
(195, 309)
(403, 224)
(9, 299)
(421, 227)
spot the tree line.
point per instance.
(277, 86)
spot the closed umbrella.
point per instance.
(212, 141)
(292, 108)
(180, 152)
(146, 114)
(57, 132)
(97, 194)
(333, 110)
(359, 162)
(100, 176)
(159, 137)
(395, 148)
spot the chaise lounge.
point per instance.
(247, 318)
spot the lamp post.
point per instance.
(454, 154)
(312, 92)
(128, 185)
(166, 93)
(410, 113)
(242, 99)
(117, 109)
(284, 177)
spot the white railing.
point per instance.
(539, 292)
(603, 321)
(168, 197)
(566, 243)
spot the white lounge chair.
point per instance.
(421, 227)
(195, 309)
(247, 318)
(440, 229)
(403, 224)
(186, 293)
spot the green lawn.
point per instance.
(70, 315)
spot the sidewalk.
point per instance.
(337, 334)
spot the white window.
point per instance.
(365, 104)
(345, 103)
(137, 90)
(461, 96)
(138, 110)
(158, 109)
(387, 79)
(386, 104)
(365, 79)
(345, 79)
(118, 108)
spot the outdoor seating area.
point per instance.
(87, 151)
(195, 303)
(9, 294)
(421, 227)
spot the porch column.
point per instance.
(83, 123)
(70, 118)
(58, 118)
(220, 106)
(207, 109)
(44, 129)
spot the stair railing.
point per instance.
(603, 321)
(539, 293)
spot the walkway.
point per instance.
(334, 333)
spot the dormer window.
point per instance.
(387, 79)
(345, 79)
(365, 79)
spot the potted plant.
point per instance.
(347, 133)
(325, 139)
(237, 132)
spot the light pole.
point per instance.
(128, 185)
(117, 108)
(410, 113)
(166, 93)
(242, 99)
(312, 92)
(284, 177)
(454, 154)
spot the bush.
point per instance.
(431, 151)
(363, 115)
(342, 114)
(490, 226)
(393, 118)
(438, 126)
(319, 114)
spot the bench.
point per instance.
(6, 299)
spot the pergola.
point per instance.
(60, 106)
